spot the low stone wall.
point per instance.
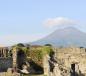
(5, 63)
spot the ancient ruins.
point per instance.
(70, 61)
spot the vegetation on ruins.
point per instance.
(34, 53)
(22, 47)
(47, 50)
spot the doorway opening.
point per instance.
(73, 69)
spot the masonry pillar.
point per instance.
(46, 65)
(1, 52)
(4, 50)
(14, 57)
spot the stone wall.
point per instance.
(5, 63)
(68, 56)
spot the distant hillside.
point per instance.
(64, 37)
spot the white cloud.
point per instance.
(59, 21)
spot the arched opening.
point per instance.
(21, 57)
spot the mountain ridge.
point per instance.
(69, 36)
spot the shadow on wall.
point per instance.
(35, 68)
(21, 58)
(77, 74)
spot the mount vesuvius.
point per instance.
(69, 36)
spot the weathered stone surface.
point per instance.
(46, 65)
(72, 56)
(5, 63)
(70, 62)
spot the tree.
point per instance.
(27, 46)
(20, 45)
(48, 45)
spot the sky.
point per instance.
(23, 21)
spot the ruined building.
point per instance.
(71, 61)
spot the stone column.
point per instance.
(4, 50)
(46, 65)
(1, 52)
(14, 57)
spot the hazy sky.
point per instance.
(29, 20)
